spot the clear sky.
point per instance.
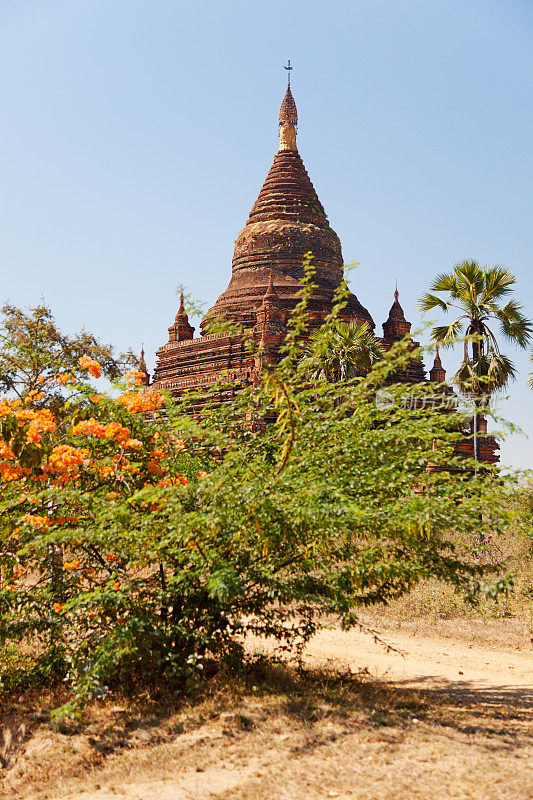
(136, 136)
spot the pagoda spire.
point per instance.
(145, 380)
(286, 221)
(181, 330)
(288, 118)
(437, 373)
(396, 326)
(271, 293)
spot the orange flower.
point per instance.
(116, 585)
(136, 375)
(24, 413)
(6, 409)
(58, 607)
(92, 366)
(42, 523)
(69, 565)
(173, 481)
(64, 462)
(97, 398)
(5, 450)
(141, 402)
(114, 430)
(89, 427)
(35, 395)
(42, 423)
(18, 572)
(201, 474)
(132, 444)
(64, 378)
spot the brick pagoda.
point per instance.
(286, 222)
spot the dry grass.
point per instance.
(430, 603)
(272, 732)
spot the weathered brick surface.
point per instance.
(286, 222)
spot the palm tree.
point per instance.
(478, 293)
(350, 349)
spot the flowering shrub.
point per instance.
(91, 365)
(136, 539)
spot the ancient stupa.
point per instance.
(286, 222)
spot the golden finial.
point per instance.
(288, 68)
(288, 117)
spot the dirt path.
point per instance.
(423, 659)
(445, 719)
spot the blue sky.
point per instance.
(136, 136)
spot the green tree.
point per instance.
(348, 350)
(36, 356)
(179, 535)
(481, 296)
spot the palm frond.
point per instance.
(470, 280)
(515, 326)
(448, 335)
(500, 370)
(477, 291)
(429, 301)
(498, 282)
(445, 282)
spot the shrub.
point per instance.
(137, 539)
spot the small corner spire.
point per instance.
(271, 293)
(396, 326)
(145, 380)
(437, 373)
(181, 329)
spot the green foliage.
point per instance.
(478, 294)
(349, 350)
(216, 526)
(34, 352)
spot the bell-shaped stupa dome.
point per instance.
(286, 222)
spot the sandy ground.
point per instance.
(422, 660)
(445, 719)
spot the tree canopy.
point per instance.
(137, 539)
(481, 295)
(36, 356)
